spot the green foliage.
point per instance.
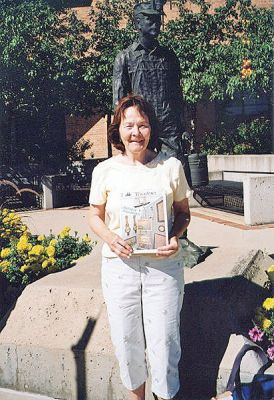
(47, 59)
(77, 151)
(25, 257)
(11, 227)
(108, 36)
(253, 137)
(52, 61)
(212, 44)
(44, 59)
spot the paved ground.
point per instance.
(7, 394)
(224, 233)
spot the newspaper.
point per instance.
(143, 220)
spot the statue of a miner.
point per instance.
(153, 71)
(148, 69)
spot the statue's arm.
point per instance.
(177, 78)
(180, 101)
(120, 82)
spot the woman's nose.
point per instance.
(135, 130)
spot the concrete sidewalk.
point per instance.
(7, 394)
(56, 340)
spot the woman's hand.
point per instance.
(171, 248)
(97, 224)
(119, 246)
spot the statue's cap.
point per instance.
(149, 8)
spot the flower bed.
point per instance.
(25, 257)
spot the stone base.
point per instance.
(56, 340)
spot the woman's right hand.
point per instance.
(119, 246)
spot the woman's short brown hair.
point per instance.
(144, 108)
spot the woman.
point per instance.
(143, 293)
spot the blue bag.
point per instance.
(262, 385)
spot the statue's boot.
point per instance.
(192, 253)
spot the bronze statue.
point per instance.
(146, 68)
(153, 71)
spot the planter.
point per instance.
(197, 169)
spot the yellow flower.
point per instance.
(41, 238)
(4, 265)
(22, 246)
(45, 264)
(24, 228)
(5, 211)
(53, 242)
(65, 232)
(268, 304)
(271, 268)
(50, 251)
(5, 220)
(23, 237)
(24, 268)
(5, 252)
(266, 323)
(11, 215)
(37, 250)
(86, 238)
(52, 260)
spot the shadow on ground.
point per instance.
(80, 359)
(212, 311)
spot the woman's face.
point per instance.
(134, 131)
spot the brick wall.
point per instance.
(94, 130)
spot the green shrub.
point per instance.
(25, 257)
(253, 137)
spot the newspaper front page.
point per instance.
(143, 220)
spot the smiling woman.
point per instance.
(134, 120)
(143, 292)
(135, 133)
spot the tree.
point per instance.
(213, 44)
(222, 51)
(44, 58)
(112, 30)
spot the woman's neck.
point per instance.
(138, 158)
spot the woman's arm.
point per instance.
(181, 222)
(97, 224)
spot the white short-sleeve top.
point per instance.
(111, 177)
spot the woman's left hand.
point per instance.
(171, 248)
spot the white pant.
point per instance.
(144, 297)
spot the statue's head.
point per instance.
(147, 17)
